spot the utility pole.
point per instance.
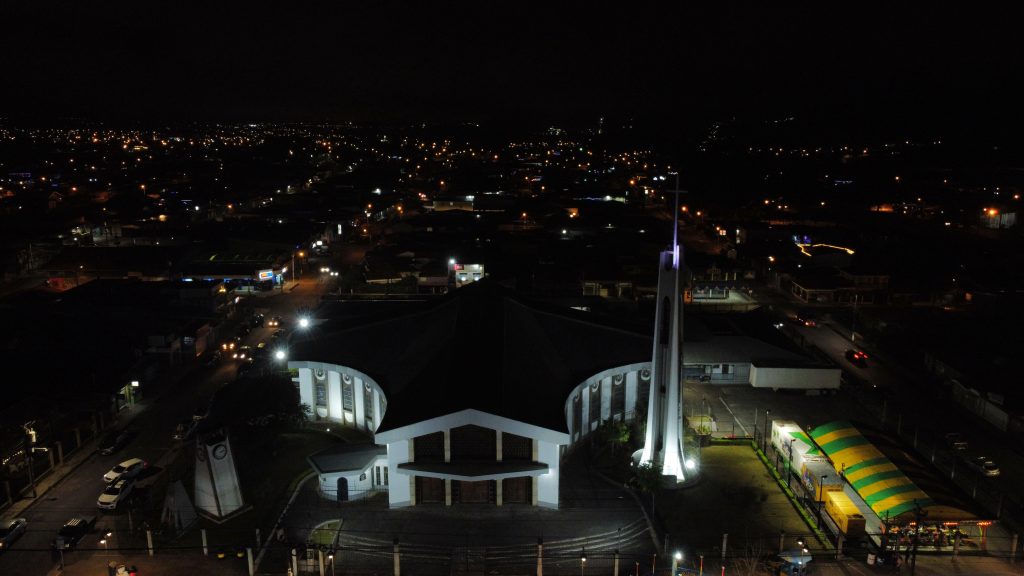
(918, 516)
(853, 324)
(29, 447)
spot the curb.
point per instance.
(280, 519)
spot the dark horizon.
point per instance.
(507, 64)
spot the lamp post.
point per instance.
(104, 542)
(767, 413)
(821, 496)
(330, 558)
(676, 559)
(583, 561)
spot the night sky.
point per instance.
(510, 62)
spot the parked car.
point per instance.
(114, 441)
(10, 531)
(212, 358)
(186, 428)
(808, 321)
(857, 357)
(985, 465)
(126, 469)
(73, 531)
(115, 494)
(258, 320)
(956, 441)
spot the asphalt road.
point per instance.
(154, 419)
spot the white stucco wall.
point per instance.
(399, 491)
(547, 484)
(799, 378)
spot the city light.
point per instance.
(304, 322)
(280, 355)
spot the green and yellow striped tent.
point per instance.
(881, 484)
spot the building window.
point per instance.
(473, 443)
(321, 394)
(516, 448)
(429, 447)
(385, 475)
(362, 476)
(347, 395)
(368, 404)
(595, 403)
(618, 395)
(376, 471)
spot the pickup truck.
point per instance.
(73, 531)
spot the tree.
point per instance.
(647, 478)
(257, 402)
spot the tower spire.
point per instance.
(663, 440)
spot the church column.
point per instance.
(533, 479)
(498, 482)
(447, 458)
(606, 398)
(334, 396)
(376, 409)
(586, 408)
(359, 398)
(306, 388)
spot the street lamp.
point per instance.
(676, 559)
(767, 413)
(583, 561)
(104, 542)
(330, 558)
(821, 496)
(280, 354)
(304, 322)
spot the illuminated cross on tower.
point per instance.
(663, 440)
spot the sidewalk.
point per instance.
(158, 565)
(72, 462)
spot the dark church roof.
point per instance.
(480, 347)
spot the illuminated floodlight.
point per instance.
(690, 464)
(280, 355)
(304, 322)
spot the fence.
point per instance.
(55, 443)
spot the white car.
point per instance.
(10, 531)
(126, 469)
(114, 494)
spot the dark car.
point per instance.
(257, 320)
(857, 357)
(114, 441)
(73, 531)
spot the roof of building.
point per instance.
(481, 347)
(887, 477)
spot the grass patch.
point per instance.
(793, 499)
(324, 534)
(270, 464)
